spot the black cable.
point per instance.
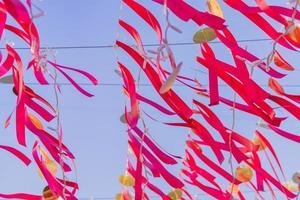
(141, 84)
(145, 45)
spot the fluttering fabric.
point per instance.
(32, 111)
(147, 161)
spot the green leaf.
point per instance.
(6, 79)
(204, 35)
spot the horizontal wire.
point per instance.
(141, 84)
(157, 197)
(145, 45)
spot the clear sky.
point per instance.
(91, 126)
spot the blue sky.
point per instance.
(91, 126)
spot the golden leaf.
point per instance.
(37, 123)
(294, 33)
(120, 196)
(258, 142)
(234, 189)
(275, 86)
(127, 180)
(243, 173)
(48, 195)
(215, 8)
(50, 164)
(280, 62)
(204, 35)
(292, 187)
(175, 194)
(170, 81)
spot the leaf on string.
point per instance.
(49, 163)
(127, 180)
(296, 177)
(51, 166)
(275, 86)
(123, 117)
(258, 142)
(37, 123)
(6, 79)
(281, 63)
(175, 194)
(292, 187)
(204, 35)
(243, 173)
(171, 79)
(47, 193)
(233, 189)
(294, 33)
(215, 8)
(123, 196)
